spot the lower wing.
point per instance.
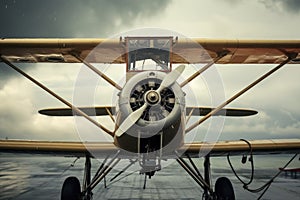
(221, 148)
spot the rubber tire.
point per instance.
(71, 189)
(224, 189)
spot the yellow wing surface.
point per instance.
(183, 50)
(221, 148)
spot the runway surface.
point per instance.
(24, 177)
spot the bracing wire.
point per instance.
(264, 187)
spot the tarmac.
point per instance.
(24, 177)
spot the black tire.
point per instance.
(71, 189)
(224, 189)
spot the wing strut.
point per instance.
(94, 69)
(77, 110)
(208, 65)
(214, 111)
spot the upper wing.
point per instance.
(184, 50)
(194, 149)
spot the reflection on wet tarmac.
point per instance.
(24, 177)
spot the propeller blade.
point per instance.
(130, 120)
(171, 78)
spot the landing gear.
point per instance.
(224, 189)
(223, 186)
(71, 189)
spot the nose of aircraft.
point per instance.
(151, 97)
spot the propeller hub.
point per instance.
(152, 97)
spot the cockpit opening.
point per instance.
(148, 53)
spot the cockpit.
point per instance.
(148, 53)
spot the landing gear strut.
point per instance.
(71, 187)
(223, 186)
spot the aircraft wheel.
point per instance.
(71, 189)
(224, 189)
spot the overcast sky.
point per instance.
(276, 99)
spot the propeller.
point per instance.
(169, 80)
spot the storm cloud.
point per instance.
(70, 18)
(276, 5)
(287, 5)
(73, 18)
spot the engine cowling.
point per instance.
(162, 118)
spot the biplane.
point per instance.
(151, 116)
